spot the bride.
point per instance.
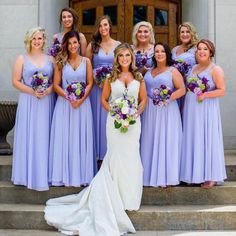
(99, 209)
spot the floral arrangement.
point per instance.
(101, 74)
(141, 59)
(40, 81)
(75, 90)
(182, 66)
(55, 48)
(124, 110)
(198, 85)
(161, 95)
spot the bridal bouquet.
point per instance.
(40, 81)
(198, 85)
(124, 110)
(55, 48)
(75, 90)
(101, 74)
(182, 66)
(141, 59)
(161, 95)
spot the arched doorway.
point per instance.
(164, 15)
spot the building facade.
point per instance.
(209, 17)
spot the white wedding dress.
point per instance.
(99, 209)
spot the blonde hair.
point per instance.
(193, 32)
(30, 35)
(135, 31)
(116, 66)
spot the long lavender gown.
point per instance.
(32, 132)
(99, 113)
(71, 145)
(202, 151)
(161, 136)
(187, 57)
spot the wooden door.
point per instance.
(91, 10)
(164, 15)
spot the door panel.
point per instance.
(164, 15)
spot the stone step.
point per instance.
(152, 218)
(139, 233)
(230, 159)
(180, 195)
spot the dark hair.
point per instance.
(75, 24)
(209, 45)
(96, 38)
(169, 60)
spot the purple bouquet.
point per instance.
(141, 59)
(40, 81)
(124, 110)
(55, 48)
(182, 66)
(101, 74)
(75, 90)
(198, 85)
(161, 95)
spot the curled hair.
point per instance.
(116, 66)
(209, 45)
(97, 38)
(135, 31)
(62, 56)
(75, 24)
(169, 60)
(30, 35)
(194, 37)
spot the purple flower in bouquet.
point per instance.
(75, 90)
(101, 74)
(55, 48)
(182, 66)
(198, 85)
(161, 95)
(141, 59)
(40, 81)
(124, 110)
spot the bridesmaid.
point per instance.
(143, 44)
(184, 54)
(161, 123)
(34, 113)
(71, 145)
(101, 52)
(203, 151)
(69, 21)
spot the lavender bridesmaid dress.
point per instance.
(32, 132)
(99, 113)
(161, 136)
(202, 151)
(189, 58)
(71, 145)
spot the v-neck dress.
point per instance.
(72, 160)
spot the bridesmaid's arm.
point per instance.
(83, 44)
(89, 85)
(57, 78)
(106, 91)
(50, 88)
(89, 53)
(17, 77)
(179, 85)
(219, 79)
(142, 97)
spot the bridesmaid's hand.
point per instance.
(76, 104)
(39, 94)
(201, 97)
